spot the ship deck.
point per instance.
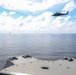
(33, 66)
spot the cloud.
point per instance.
(6, 22)
(63, 25)
(37, 23)
(70, 6)
(12, 13)
(29, 5)
(27, 19)
(4, 13)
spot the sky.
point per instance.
(35, 16)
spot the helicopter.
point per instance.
(60, 14)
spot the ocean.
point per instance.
(41, 46)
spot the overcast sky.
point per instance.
(35, 16)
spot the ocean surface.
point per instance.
(41, 46)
